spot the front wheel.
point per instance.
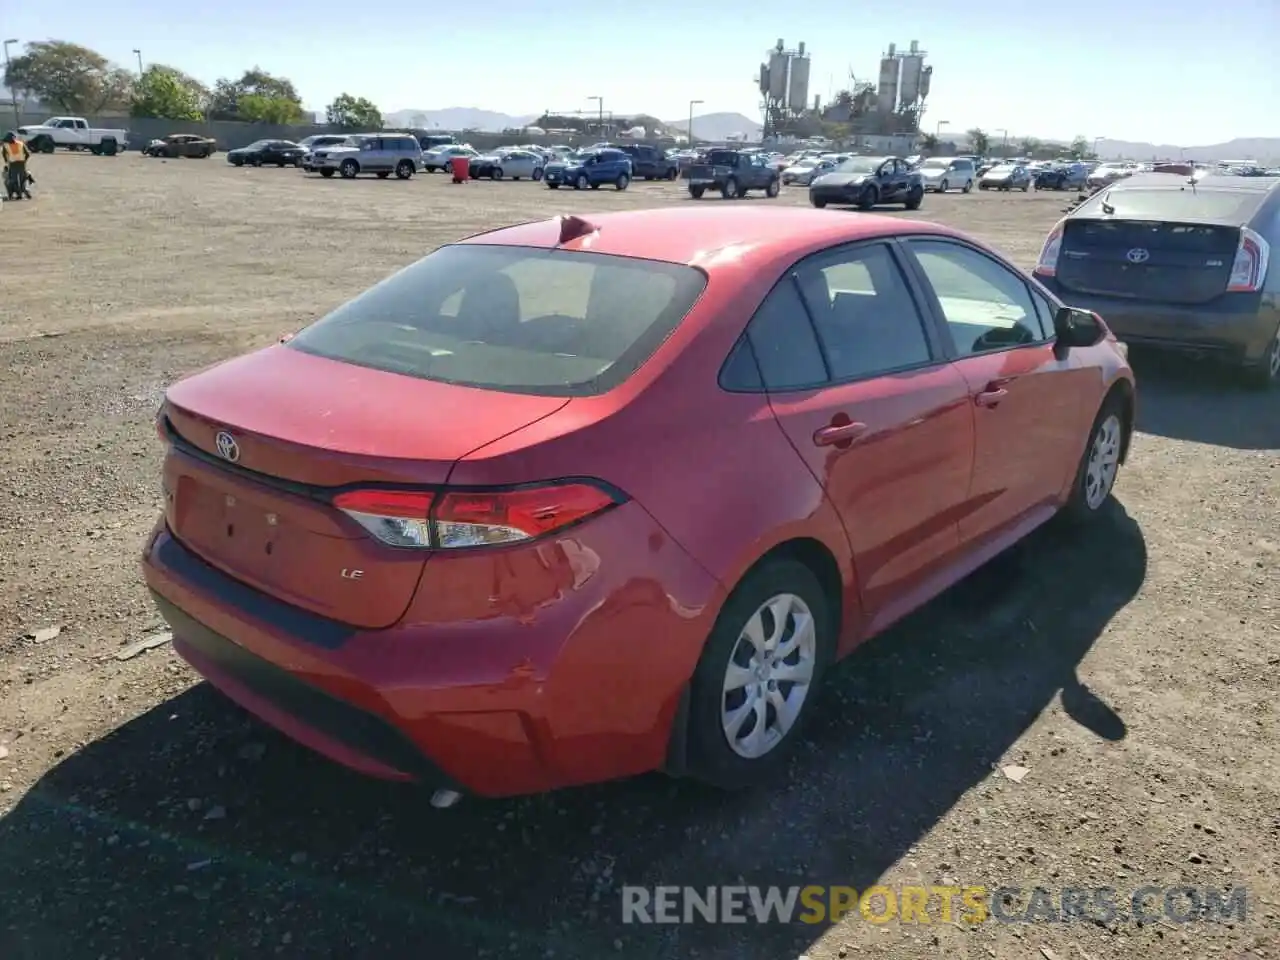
(1099, 465)
(772, 189)
(553, 186)
(818, 202)
(730, 189)
(868, 198)
(582, 182)
(404, 169)
(495, 173)
(697, 192)
(914, 198)
(756, 681)
(383, 174)
(326, 173)
(622, 182)
(349, 169)
(968, 185)
(942, 187)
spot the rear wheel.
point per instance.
(942, 187)
(818, 202)
(730, 189)
(326, 173)
(771, 190)
(1266, 375)
(968, 185)
(914, 198)
(495, 173)
(622, 182)
(868, 198)
(582, 182)
(109, 146)
(697, 192)
(404, 169)
(755, 683)
(383, 174)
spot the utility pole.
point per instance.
(600, 107)
(139, 55)
(17, 114)
(689, 129)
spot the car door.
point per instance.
(876, 412)
(1027, 396)
(887, 181)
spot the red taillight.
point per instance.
(452, 519)
(1249, 269)
(1047, 265)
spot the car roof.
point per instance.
(701, 235)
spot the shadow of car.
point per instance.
(1186, 399)
(193, 831)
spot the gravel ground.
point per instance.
(1094, 710)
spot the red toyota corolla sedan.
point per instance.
(575, 500)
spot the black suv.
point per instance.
(650, 163)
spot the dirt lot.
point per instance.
(1132, 671)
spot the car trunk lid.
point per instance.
(260, 443)
(1162, 261)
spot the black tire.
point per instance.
(495, 173)
(383, 174)
(697, 192)
(710, 757)
(109, 146)
(404, 169)
(97, 152)
(553, 186)
(42, 144)
(914, 198)
(1081, 506)
(967, 186)
(771, 191)
(582, 182)
(237, 162)
(818, 202)
(730, 190)
(869, 197)
(326, 173)
(622, 182)
(1266, 375)
(537, 174)
(1026, 187)
(942, 187)
(348, 169)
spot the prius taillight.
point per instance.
(453, 519)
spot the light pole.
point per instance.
(1096, 141)
(937, 131)
(1004, 143)
(689, 129)
(138, 53)
(600, 107)
(17, 117)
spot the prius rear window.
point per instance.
(518, 319)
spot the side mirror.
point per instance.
(1078, 328)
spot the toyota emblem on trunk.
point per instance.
(228, 449)
(1138, 255)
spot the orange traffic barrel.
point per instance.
(461, 167)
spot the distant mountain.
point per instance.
(457, 118)
(1261, 149)
(719, 126)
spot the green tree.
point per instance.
(169, 94)
(257, 97)
(353, 113)
(979, 141)
(68, 76)
(1080, 148)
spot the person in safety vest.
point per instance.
(16, 178)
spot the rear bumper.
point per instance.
(517, 672)
(1237, 328)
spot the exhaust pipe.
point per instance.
(443, 799)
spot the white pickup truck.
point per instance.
(73, 133)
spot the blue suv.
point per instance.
(592, 168)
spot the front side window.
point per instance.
(985, 304)
(521, 319)
(864, 313)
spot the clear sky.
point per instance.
(1186, 72)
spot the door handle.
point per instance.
(989, 398)
(838, 433)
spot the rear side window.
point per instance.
(786, 351)
(519, 319)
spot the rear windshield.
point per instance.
(1184, 204)
(722, 158)
(518, 319)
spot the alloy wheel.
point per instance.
(1104, 461)
(769, 675)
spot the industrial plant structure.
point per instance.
(784, 85)
(893, 106)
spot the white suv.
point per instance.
(941, 174)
